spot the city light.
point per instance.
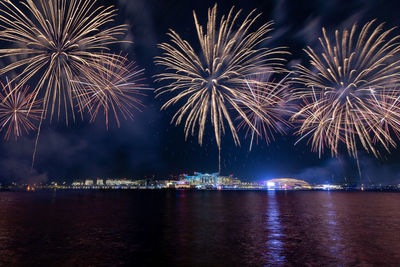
(270, 184)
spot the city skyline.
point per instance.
(150, 145)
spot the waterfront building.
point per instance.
(202, 178)
(329, 187)
(89, 182)
(228, 181)
(166, 183)
(251, 185)
(121, 182)
(182, 185)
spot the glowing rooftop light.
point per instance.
(270, 184)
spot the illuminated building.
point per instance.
(210, 180)
(202, 178)
(89, 182)
(120, 182)
(286, 184)
(77, 183)
(182, 185)
(100, 182)
(30, 188)
(228, 181)
(166, 183)
(328, 187)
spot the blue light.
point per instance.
(326, 186)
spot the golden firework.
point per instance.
(114, 88)
(208, 83)
(385, 117)
(18, 111)
(265, 103)
(53, 42)
(336, 90)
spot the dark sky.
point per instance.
(149, 145)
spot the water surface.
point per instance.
(230, 228)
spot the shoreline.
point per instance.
(195, 190)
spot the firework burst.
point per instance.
(385, 115)
(268, 102)
(336, 93)
(113, 89)
(56, 40)
(18, 111)
(207, 84)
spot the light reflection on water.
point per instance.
(335, 246)
(274, 243)
(222, 228)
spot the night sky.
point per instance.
(149, 145)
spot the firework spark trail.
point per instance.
(207, 84)
(55, 42)
(385, 114)
(18, 111)
(270, 103)
(113, 91)
(336, 95)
